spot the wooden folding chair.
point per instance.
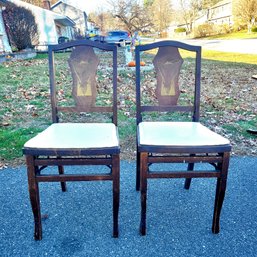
(168, 127)
(83, 98)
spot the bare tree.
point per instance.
(34, 2)
(161, 12)
(39, 2)
(246, 12)
(189, 12)
(132, 14)
(102, 19)
(208, 3)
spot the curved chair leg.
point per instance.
(116, 193)
(63, 184)
(143, 188)
(138, 172)
(34, 197)
(220, 193)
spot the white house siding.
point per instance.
(46, 21)
(4, 42)
(77, 15)
(221, 13)
(200, 20)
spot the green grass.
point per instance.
(243, 34)
(224, 57)
(239, 128)
(230, 57)
(41, 56)
(25, 106)
(12, 140)
(127, 127)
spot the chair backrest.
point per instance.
(168, 82)
(83, 79)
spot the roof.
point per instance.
(62, 19)
(65, 21)
(64, 3)
(224, 2)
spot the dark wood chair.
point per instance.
(168, 92)
(83, 99)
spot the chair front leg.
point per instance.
(34, 196)
(116, 193)
(143, 188)
(220, 193)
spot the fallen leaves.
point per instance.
(3, 165)
(228, 98)
(5, 124)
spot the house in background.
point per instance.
(77, 15)
(4, 42)
(51, 25)
(218, 14)
(221, 13)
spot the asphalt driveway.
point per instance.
(243, 46)
(79, 221)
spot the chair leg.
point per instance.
(187, 184)
(116, 193)
(63, 184)
(34, 197)
(220, 193)
(143, 188)
(138, 172)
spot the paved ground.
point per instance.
(244, 46)
(79, 222)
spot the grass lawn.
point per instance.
(234, 35)
(235, 58)
(229, 102)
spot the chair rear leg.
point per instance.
(187, 184)
(63, 184)
(220, 193)
(138, 172)
(143, 189)
(116, 194)
(34, 197)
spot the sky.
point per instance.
(94, 5)
(89, 5)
